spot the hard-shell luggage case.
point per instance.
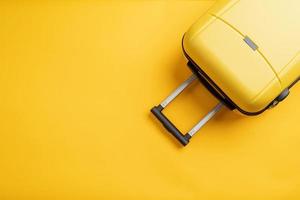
(246, 53)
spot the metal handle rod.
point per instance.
(178, 90)
(182, 138)
(204, 120)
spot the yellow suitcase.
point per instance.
(246, 53)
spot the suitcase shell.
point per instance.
(247, 52)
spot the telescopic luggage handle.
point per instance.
(182, 138)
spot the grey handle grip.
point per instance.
(183, 139)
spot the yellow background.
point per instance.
(77, 81)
